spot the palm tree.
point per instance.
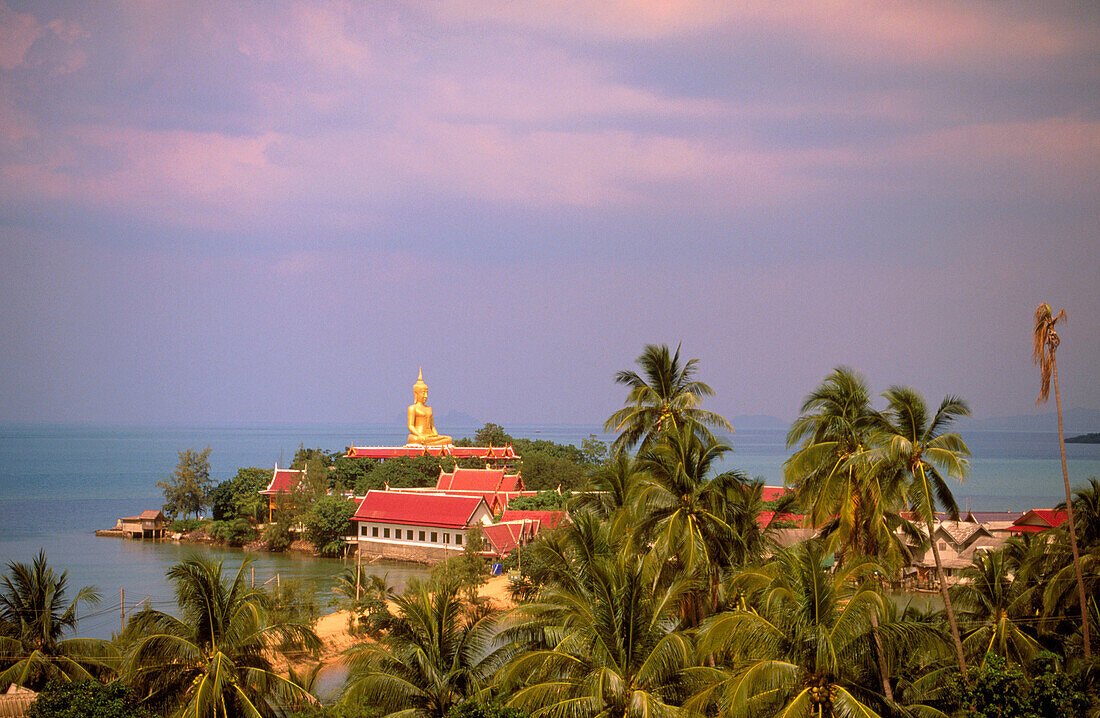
(664, 397)
(1045, 343)
(681, 513)
(853, 500)
(34, 619)
(800, 645)
(610, 486)
(436, 654)
(994, 603)
(608, 647)
(923, 446)
(215, 659)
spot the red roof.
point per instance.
(771, 493)
(549, 519)
(459, 452)
(493, 480)
(1039, 520)
(766, 517)
(401, 507)
(283, 481)
(507, 535)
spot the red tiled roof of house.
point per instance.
(766, 517)
(493, 480)
(400, 507)
(504, 537)
(771, 493)
(1039, 520)
(549, 519)
(283, 481)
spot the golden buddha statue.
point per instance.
(421, 423)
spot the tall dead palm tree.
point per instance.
(665, 396)
(1044, 348)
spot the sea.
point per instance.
(59, 483)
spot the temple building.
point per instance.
(284, 482)
(416, 527)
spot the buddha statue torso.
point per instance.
(421, 422)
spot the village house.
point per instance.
(150, 524)
(1038, 520)
(415, 526)
(958, 542)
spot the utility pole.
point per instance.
(122, 609)
(358, 565)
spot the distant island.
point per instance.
(1093, 438)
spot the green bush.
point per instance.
(327, 523)
(236, 532)
(86, 699)
(542, 501)
(186, 526)
(472, 709)
(1001, 689)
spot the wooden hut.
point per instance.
(150, 524)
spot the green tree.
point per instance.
(215, 659)
(1001, 689)
(327, 523)
(544, 472)
(492, 435)
(187, 490)
(542, 501)
(595, 451)
(34, 618)
(87, 699)
(681, 513)
(855, 502)
(435, 655)
(998, 609)
(923, 446)
(603, 645)
(1045, 347)
(610, 487)
(800, 646)
(664, 397)
(239, 497)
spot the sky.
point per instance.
(276, 212)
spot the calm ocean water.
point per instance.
(60, 483)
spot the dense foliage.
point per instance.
(87, 699)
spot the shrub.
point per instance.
(186, 526)
(327, 524)
(236, 532)
(86, 699)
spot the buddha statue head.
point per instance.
(420, 389)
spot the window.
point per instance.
(434, 539)
(421, 536)
(458, 539)
(409, 534)
(362, 530)
(446, 537)
(386, 532)
(943, 545)
(374, 531)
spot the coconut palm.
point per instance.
(34, 618)
(800, 646)
(436, 654)
(1044, 352)
(214, 660)
(996, 606)
(606, 648)
(681, 513)
(610, 486)
(856, 501)
(921, 444)
(664, 397)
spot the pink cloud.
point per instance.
(18, 31)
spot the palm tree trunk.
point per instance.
(947, 602)
(887, 690)
(1069, 518)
